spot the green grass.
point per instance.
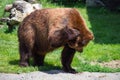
(2, 6)
(104, 24)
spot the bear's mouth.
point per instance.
(80, 50)
(76, 46)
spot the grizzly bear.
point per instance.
(47, 29)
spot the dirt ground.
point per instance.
(60, 75)
(111, 64)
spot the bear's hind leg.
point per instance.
(24, 55)
(66, 58)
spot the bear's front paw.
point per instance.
(70, 70)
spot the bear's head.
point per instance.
(59, 37)
(79, 42)
(69, 36)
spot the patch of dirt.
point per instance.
(111, 64)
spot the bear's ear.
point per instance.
(71, 33)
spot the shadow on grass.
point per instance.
(46, 68)
(68, 3)
(8, 31)
(12, 30)
(105, 25)
(14, 62)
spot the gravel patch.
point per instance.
(60, 75)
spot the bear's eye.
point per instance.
(73, 40)
(80, 44)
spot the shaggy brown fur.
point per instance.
(44, 30)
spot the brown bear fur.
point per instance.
(47, 29)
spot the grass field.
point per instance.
(106, 47)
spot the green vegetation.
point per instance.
(2, 5)
(104, 24)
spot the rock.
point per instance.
(8, 8)
(20, 9)
(24, 7)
